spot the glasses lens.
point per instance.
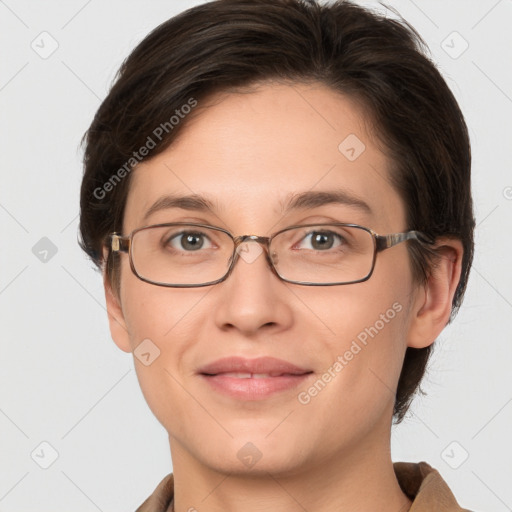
(181, 254)
(186, 254)
(323, 254)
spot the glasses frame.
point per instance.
(120, 243)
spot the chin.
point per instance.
(255, 454)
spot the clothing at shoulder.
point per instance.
(425, 487)
(161, 498)
(419, 481)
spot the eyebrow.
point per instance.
(314, 199)
(193, 202)
(302, 201)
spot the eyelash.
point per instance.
(177, 236)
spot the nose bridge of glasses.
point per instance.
(250, 252)
(262, 240)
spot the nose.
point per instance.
(253, 297)
(250, 247)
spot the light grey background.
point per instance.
(62, 379)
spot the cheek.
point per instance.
(358, 334)
(161, 322)
(156, 312)
(361, 331)
(375, 309)
(362, 363)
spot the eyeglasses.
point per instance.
(186, 255)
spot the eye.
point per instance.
(188, 241)
(322, 240)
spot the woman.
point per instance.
(278, 195)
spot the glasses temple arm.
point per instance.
(387, 241)
(119, 243)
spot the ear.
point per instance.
(433, 305)
(118, 329)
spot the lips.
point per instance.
(253, 379)
(260, 367)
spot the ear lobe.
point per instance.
(117, 324)
(433, 305)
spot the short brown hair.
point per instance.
(379, 62)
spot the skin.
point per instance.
(249, 152)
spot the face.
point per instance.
(249, 154)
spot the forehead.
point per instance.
(251, 154)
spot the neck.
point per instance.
(362, 480)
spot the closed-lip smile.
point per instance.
(252, 379)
